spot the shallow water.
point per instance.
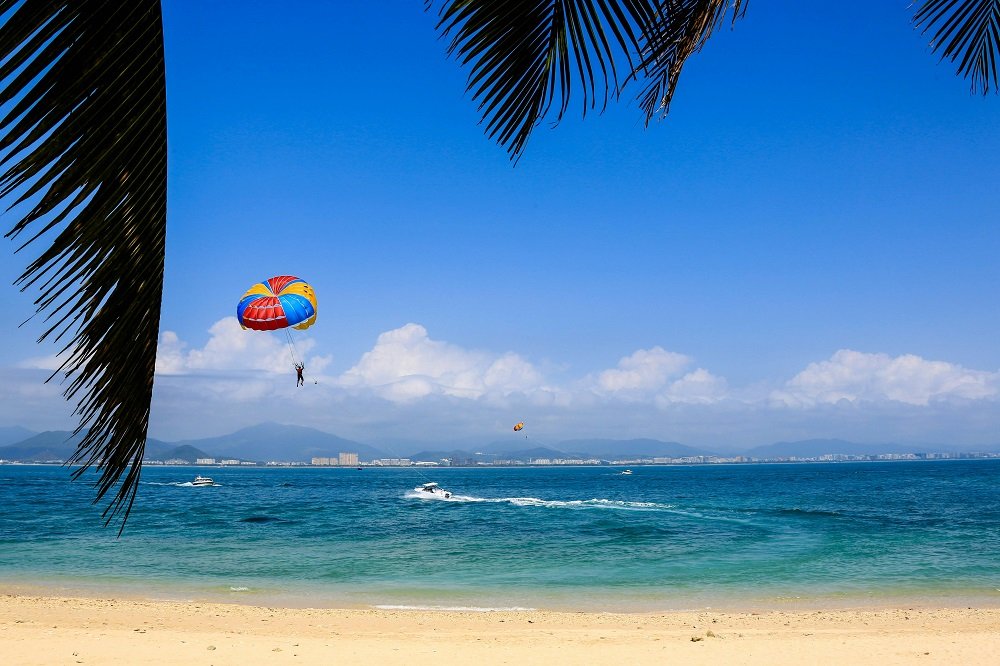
(551, 537)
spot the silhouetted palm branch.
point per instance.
(678, 30)
(83, 146)
(966, 32)
(523, 55)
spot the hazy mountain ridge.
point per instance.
(14, 434)
(810, 448)
(272, 441)
(275, 441)
(164, 451)
(60, 445)
(50, 445)
(458, 455)
(594, 448)
(632, 448)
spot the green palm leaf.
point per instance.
(83, 153)
(966, 32)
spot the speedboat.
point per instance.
(202, 481)
(626, 472)
(433, 489)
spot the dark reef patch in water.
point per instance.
(262, 519)
(807, 513)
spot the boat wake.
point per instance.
(537, 502)
(597, 504)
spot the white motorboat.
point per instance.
(202, 481)
(626, 472)
(433, 489)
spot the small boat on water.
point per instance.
(626, 472)
(202, 481)
(433, 489)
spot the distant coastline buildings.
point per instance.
(352, 459)
(342, 460)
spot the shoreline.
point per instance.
(57, 629)
(566, 602)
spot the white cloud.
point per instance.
(230, 348)
(27, 400)
(406, 364)
(644, 371)
(856, 376)
(410, 386)
(659, 376)
(51, 362)
(698, 387)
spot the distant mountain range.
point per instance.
(14, 434)
(45, 446)
(811, 448)
(59, 445)
(631, 448)
(276, 442)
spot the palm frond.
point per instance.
(679, 29)
(525, 54)
(966, 32)
(83, 153)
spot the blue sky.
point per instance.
(805, 247)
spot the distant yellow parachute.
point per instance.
(519, 426)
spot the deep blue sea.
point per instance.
(571, 538)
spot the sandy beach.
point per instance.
(59, 630)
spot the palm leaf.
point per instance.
(679, 29)
(525, 54)
(83, 154)
(966, 32)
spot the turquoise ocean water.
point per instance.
(575, 538)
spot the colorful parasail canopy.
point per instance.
(279, 302)
(519, 426)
